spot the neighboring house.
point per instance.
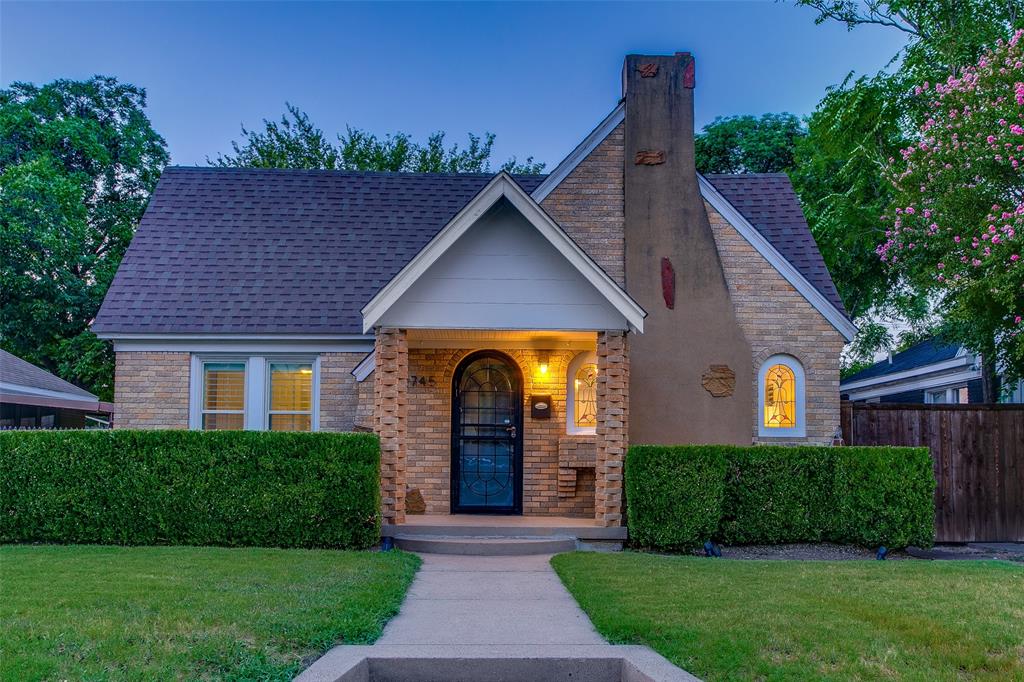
(507, 337)
(931, 371)
(32, 398)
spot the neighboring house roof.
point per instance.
(922, 354)
(18, 377)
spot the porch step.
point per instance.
(485, 545)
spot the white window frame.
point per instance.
(314, 420)
(257, 394)
(798, 431)
(952, 395)
(586, 357)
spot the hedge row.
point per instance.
(229, 488)
(679, 497)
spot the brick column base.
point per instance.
(612, 425)
(390, 416)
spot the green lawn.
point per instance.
(160, 613)
(867, 620)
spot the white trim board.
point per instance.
(503, 186)
(835, 317)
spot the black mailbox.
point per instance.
(540, 406)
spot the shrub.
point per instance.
(230, 488)
(675, 494)
(775, 494)
(884, 496)
(684, 495)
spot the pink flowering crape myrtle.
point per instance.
(956, 224)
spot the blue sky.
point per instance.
(539, 76)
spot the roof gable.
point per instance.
(489, 266)
(921, 354)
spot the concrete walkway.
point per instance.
(468, 600)
(491, 619)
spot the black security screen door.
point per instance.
(487, 432)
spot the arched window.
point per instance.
(581, 394)
(781, 398)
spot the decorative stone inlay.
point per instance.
(668, 283)
(649, 157)
(648, 70)
(719, 381)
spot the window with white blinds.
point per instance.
(223, 395)
(291, 396)
(254, 392)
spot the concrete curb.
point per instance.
(493, 663)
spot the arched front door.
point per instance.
(487, 435)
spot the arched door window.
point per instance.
(781, 398)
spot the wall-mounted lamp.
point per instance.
(542, 365)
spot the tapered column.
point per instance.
(391, 388)
(612, 425)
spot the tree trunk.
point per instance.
(989, 379)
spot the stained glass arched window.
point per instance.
(581, 394)
(585, 388)
(779, 398)
(781, 394)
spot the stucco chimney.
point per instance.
(680, 366)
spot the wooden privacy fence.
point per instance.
(978, 455)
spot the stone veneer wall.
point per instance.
(588, 205)
(776, 318)
(151, 390)
(341, 405)
(428, 458)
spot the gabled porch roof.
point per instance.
(529, 267)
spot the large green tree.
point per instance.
(748, 144)
(78, 160)
(295, 142)
(839, 169)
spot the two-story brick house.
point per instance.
(507, 337)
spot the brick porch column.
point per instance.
(612, 425)
(390, 412)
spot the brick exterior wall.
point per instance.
(776, 319)
(612, 425)
(588, 205)
(151, 390)
(339, 393)
(428, 463)
(391, 381)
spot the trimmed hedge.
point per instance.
(681, 496)
(228, 488)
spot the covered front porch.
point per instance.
(475, 341)
(501, 425)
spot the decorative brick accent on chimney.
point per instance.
(666, 222)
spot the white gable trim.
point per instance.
(582, 151)
(502, 186)
(777, 260)
(835, 317)
(45, 392)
